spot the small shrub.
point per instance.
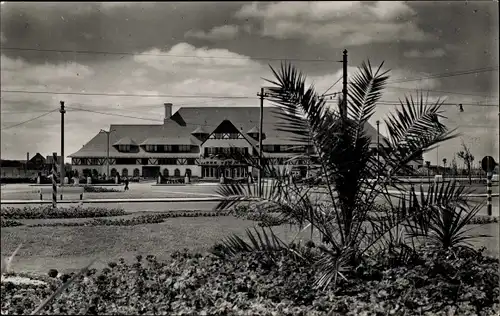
(53, 273)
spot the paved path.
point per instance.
(144, 196)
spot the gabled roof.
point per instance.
(182, 123)
(125, 141)
(199, 130)
(253, 130)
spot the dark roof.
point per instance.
(181, 125)
(168, 141)
(125, 141)
(199, 130)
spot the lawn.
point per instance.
(68, 248)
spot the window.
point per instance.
(268, 148)
(124, 172)
(124, 148)
(184, 148)
(177, 173)
(190, 161)
(283, 148)
(151, 148)
(144, 161)
(165, 173)
(188, 172)
(137, 173)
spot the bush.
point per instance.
(89, 188)
(9, 223)
(194, 284)
(46, 211)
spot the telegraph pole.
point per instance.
(62, 111)
(261, 123)
(378, 149)
(343, 111)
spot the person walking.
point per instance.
(126, 184)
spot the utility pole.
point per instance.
(261, 123)
(62, 111)
(343, 111)
(107, 150)
(378, 149)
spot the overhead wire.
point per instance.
(30, 120)
(162, 54)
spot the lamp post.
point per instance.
(107, 150)
(262, 95)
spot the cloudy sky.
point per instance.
(216, 54)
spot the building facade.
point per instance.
(194, 141)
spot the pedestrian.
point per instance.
(126, 184)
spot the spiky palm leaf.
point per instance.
(344, 156)
(443, 215)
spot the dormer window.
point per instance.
(199, 133)
(126, 145)
(254, 133)
(124, 148)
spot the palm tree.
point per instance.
(343, 158)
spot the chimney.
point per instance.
(168, 111)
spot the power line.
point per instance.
(195, 124)
(113, 114)
(180, 96)
(162, 54)
(446, 75)
(30, 120)
(440, 91)
(130, 95)
(324, 93)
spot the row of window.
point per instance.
(285, 148)
(133, 161)
(225, 150)
(188, 148)
(168, 148)
(136, 172)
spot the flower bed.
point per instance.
(138, 220)
(46, 211)
(89, 188)
(9, 223)
(192, 284)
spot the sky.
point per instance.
(219, 53)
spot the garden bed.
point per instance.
(247, 284)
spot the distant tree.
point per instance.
(454, 166)
(468, 159)
(444, 166)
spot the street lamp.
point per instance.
(262, 94)
(107, 150)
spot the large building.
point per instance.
(194, 141)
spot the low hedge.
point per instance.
(138, 220)
(92, 189)
(9, 223)
(249, 284)
(46, 211)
